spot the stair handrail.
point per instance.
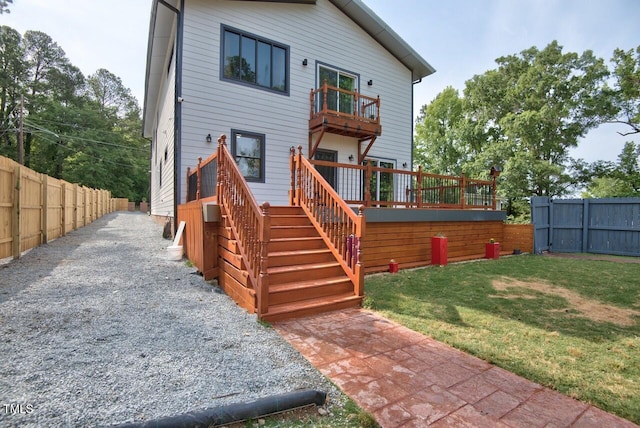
(249, 222)
(341, 228)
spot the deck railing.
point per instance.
(331, 100)
(374, 186)
(339, 225)
(201, 181)
(250, 223)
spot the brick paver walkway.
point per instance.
(406, 379)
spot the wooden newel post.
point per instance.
(188, 175)
(419, 198)
(359, 268)
(463, 191)
(199, 174)
(292, 168)
(367, 185)
(263, 288)
(494, 187)
(220, 185)
(324, 98)
(299, 179)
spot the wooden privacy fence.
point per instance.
(36, 208)
(601, 226)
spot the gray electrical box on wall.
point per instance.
(211, 213)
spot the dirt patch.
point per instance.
(591, 309)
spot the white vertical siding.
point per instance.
(163, 141)
(319, 33)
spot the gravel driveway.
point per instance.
(98, 328)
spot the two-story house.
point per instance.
(255, 71)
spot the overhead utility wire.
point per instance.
(73, 137)
(45, 138)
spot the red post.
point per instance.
(439, 250)
(367, 185)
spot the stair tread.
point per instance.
(289, 286)
(297, 239)
(294, 253)
(312, 303)
(302, 267)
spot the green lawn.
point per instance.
(570, 324)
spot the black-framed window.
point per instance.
(253, 60)
(248, 149)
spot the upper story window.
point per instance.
(253, 60)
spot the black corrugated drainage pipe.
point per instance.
(237, 412)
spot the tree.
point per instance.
(85, 131)
(621, 179)
(4, 6)
(524, 116)
(13, 71)
(112, 97)
(626, 96)
(538, 105)
(438, 146)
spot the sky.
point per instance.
(459, 38)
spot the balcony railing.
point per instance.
(350, 105)
(374, 186)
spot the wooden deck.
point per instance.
(310, 257)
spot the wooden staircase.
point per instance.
(304, 276)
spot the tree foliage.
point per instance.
(83, 130)
(525, 116)
(627, 88)
(615, 179)
(4, 6)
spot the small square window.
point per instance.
(248, 149)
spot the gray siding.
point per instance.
(320, 33)
(163, 139)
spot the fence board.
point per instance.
(7, 184)
(601, 226)
(35, 208)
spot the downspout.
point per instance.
(177, 108)
(177, 146)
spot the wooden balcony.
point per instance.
(342, 112)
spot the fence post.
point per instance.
(44, 223)
(75, 207)
(63, 202)
(585, 225)
(17, 178)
